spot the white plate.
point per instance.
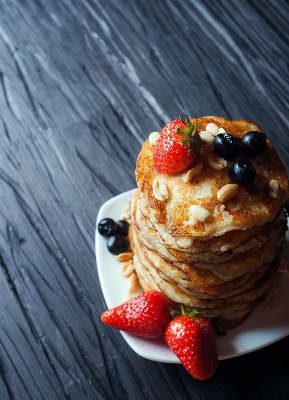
(261, 329)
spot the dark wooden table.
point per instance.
(82, 84)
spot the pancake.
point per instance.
(224, 265)
(245, 210)
(202, 282)
(230, 308)
(215, 249)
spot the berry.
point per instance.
(253, 144)
(146, 315)
(177, 147)
(193, 340)
(117, 244)
(122, 227)
(242, 172)
(226, 146)
(107, 227)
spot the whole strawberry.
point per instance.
(146, 315)
(177, 147)
(193, 340)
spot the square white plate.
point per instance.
(261, 329)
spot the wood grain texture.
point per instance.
(82, 84)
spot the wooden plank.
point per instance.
(82, 84)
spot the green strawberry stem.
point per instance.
(189, 312)
(191, 135)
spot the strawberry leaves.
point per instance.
(191, 135)
(191, 338)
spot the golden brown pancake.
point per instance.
(225, 265)
(214, 249)
(245, 210)
(201, 281)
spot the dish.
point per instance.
(261, 329)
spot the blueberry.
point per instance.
(117, 244)
(107, 227)
(253, 144)
(122, 227)
(226, 146)
(243, 173)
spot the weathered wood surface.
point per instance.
(82, 84)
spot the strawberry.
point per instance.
(177, 147)
(193, 340)
(146, 315)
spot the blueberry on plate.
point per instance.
(122, 227)
(107, 227)
(226, 146)
(253, 144)
(117, 244)
(242, 172)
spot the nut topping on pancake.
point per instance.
(227, 192)
(274, 189)
(215, 244)
(153, 138)
(192, 172)
(213, 129)
(207, 138)
(160, 190)
(198, 213)
(216, 162)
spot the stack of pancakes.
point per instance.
(222, 267)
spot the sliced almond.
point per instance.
(216, 162)
(133, 285)
(207, 138)
(124, 256)
(212, 128)
(227, 192)
(126, 214)
(274, 189)
(192, 172)
(153, 138)
(128, 297)
(199, 213)
(160, 190)
(126, 268)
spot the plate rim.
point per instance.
(139, 344)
